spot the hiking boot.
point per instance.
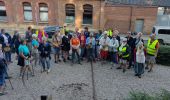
(9, 77)
(139, 76)
(118, 68)
(150, 71)
(64, 60)
(129, 67)
(48, 70)
(124, 70)
(80, 63)
(147, 68)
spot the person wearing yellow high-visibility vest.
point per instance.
(152, 51)
(109, 33)
(65, 30)
(124, 52)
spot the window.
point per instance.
(43, 12)
(163, 11)
(3, 15)
(87, 14)
(70, 13)
(164, 31)
(27, 11)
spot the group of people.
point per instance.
(107, 47)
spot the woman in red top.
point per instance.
(82, 38)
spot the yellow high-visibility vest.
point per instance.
(151, 47)
(37, 32)
(123, 50)
(109, 33)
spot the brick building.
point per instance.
(96, 14)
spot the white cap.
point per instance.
(34, 35)
(124, 39)
(105, 32)
(91, 34)
(44, 38)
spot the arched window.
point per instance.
(43, 12)
(3, 15)
(88, 14)
(70, 13)
(27, 11)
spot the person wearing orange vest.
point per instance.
(152, 51)
(75, 44)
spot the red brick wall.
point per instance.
(119, 17)
(103, 16)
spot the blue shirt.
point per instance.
(23, 49)
(35, 43)
(93, 41)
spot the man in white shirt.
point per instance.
(104, 44)
(114, 44)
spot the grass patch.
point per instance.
(163, 95)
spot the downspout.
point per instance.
(130, 21)
(100, 14)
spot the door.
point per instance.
(139, 25)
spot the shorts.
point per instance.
(150, 59)
(104, 54)
(56, 50)
(123, 61)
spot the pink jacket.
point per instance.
(40, 35)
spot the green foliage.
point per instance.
(164, 55)
(139, 96)
(163, 95)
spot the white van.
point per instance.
(163, 33)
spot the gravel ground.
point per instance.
(67, 82)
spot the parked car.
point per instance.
(50, 30)
(163, 34)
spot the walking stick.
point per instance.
(9, 81)
(8, 76)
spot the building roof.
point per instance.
(160, 3)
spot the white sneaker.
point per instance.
(49, 70)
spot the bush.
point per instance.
(139, 96)
(164, 55)
(163, 95)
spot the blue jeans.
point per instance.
(91, 53)
(97, 51)
(75, 52)
(139, 68)
(3, 74)
(45, 62)
(8, 56)
(115, 57)
(82, 52)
